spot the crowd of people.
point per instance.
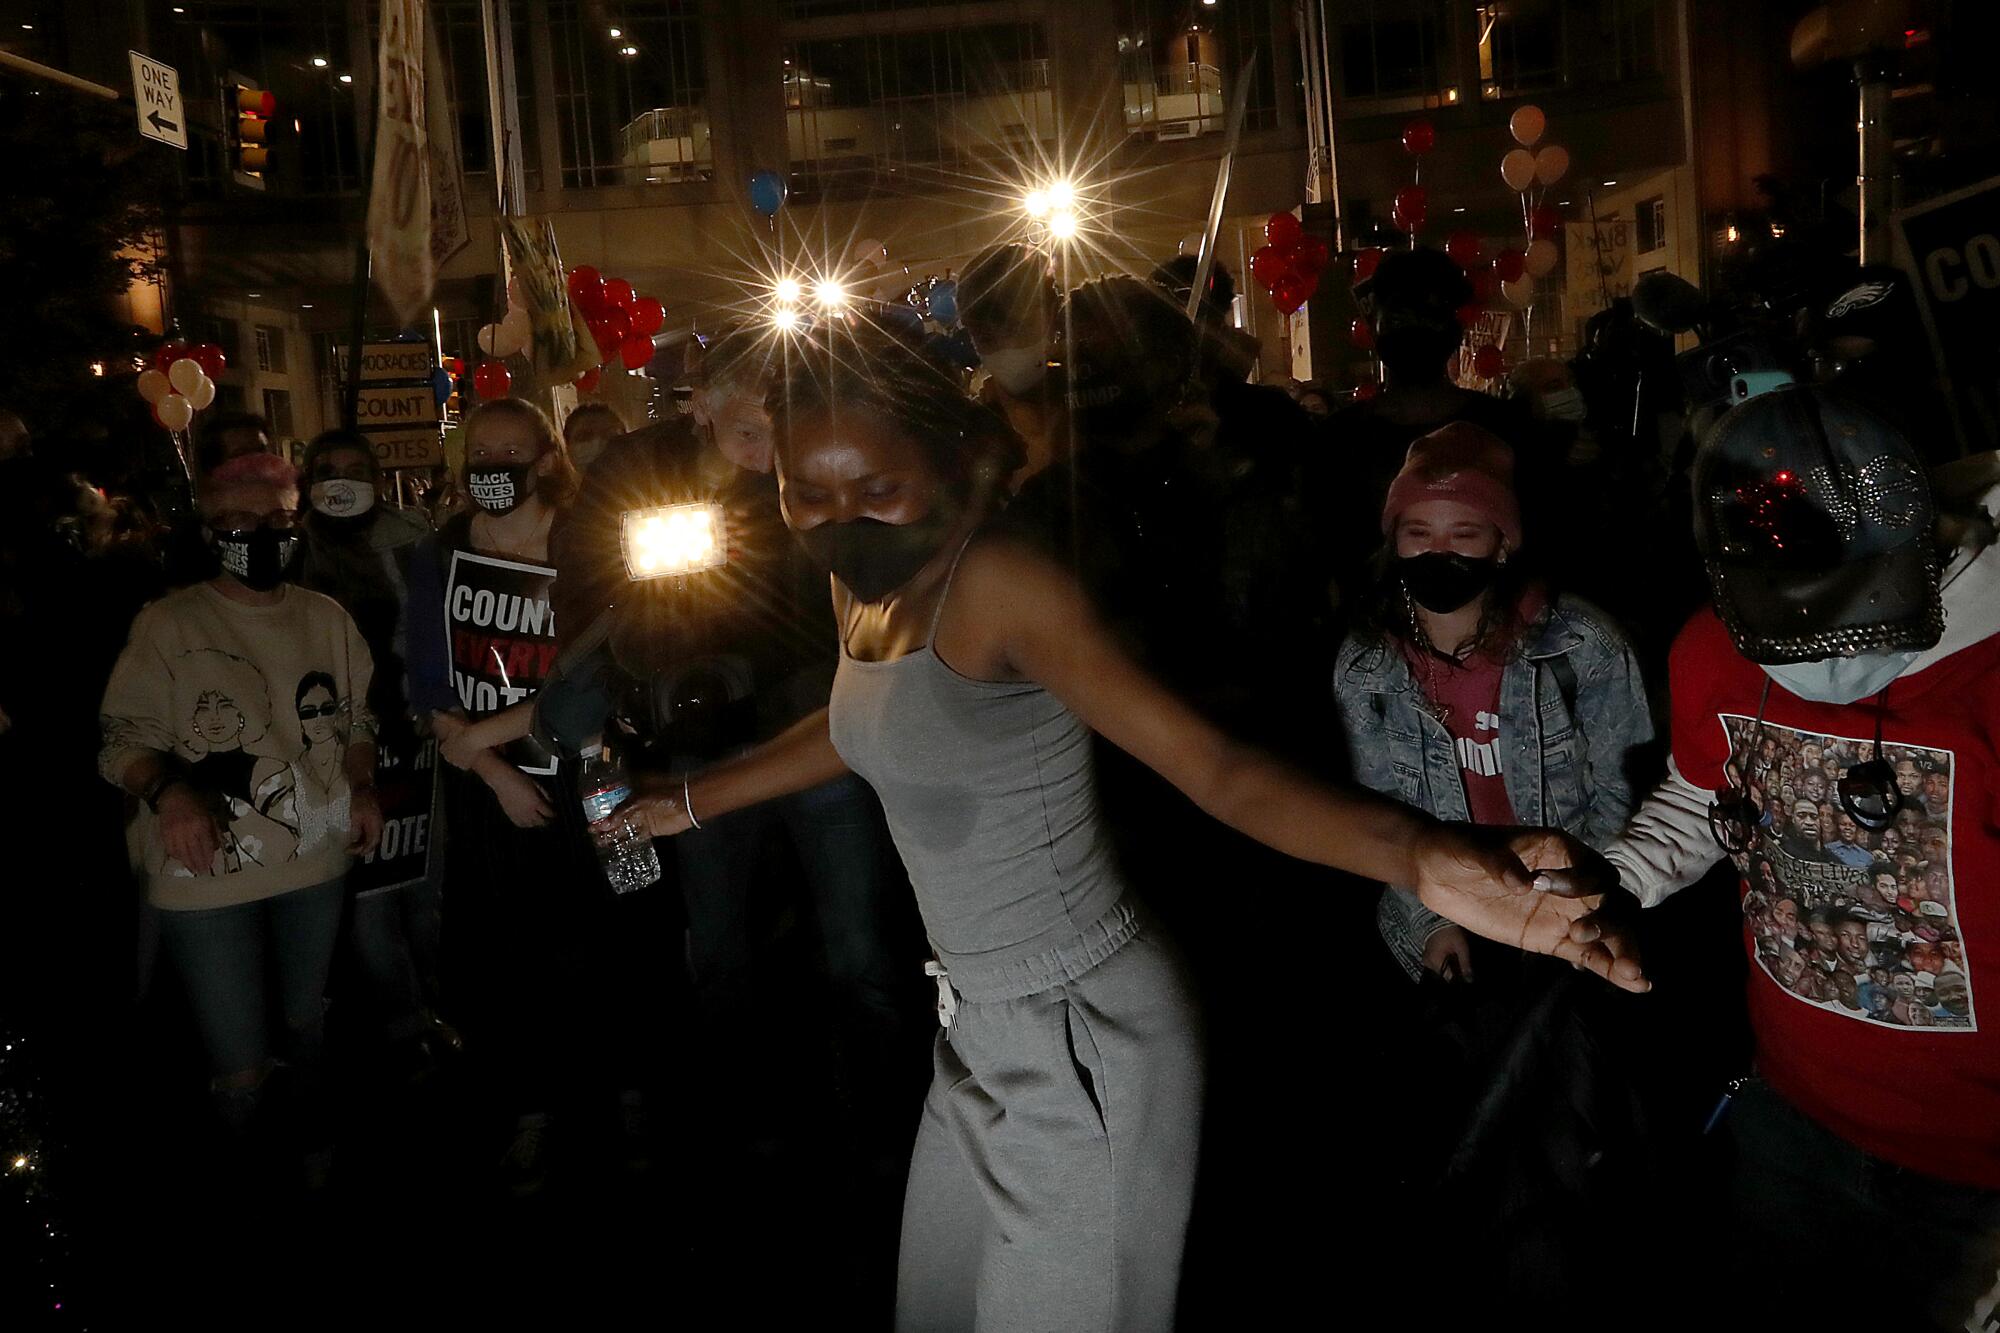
(1140, 674)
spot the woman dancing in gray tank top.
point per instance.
(1050, 1185)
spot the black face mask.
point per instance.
(872, 558)
(499, 490)
(257, 558)
(1443, 581)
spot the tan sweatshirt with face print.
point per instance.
(257, 706)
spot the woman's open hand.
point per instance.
(1537, 889)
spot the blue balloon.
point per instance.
(944, 303)
(441, 384)
(767, 192)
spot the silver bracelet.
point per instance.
(687, 806)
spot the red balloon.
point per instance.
(492, 379)
(1463, 247)
(618, 294)
(586, 288)
(1309, 255)
(1487, 362)
(1268, 264)
(1366, 390)
(1469, 313)
(647, 315)
(1509, 265)
(590, 379)
(1544, 220)
(1365, 262)
(635, 351)
(169, 353)
(1289, 293)
(1412, 203)
(210, 358)
(1419, 137)
(1281, 229)
(616, 324)
(1362, 334)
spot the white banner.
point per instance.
(399, 203)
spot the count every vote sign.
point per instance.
(502, 627)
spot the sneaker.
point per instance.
(524, 1167)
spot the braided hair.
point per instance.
(841, 367)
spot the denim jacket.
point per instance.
(1573, 721)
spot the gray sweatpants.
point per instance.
(1052, 1177)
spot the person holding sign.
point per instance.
(482, 639)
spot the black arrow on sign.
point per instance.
(153, 119)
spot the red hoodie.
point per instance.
(1876, 1004)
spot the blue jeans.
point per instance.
(229, 959)
(856, 887)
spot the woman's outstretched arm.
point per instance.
(798, 758)
(1032, 614)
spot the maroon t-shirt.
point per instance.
(1466, 697)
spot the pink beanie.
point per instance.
(1461, 462)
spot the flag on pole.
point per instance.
(399, 202)
(449, 232)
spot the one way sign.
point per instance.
(156, 90)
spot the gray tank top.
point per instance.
(990, 793)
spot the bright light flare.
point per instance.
(788, 291)
(673, 540)
(1035, 203)
(785, 319)
(1062, 195)
(1063, 225)
(831, 293)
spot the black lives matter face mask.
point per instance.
(257, 558)
(500, 490)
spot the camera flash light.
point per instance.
(673, 540)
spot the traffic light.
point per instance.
(248, 116)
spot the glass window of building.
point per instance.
(1396, 49)
(278, 414)
(867, 112)
(297, 53)
(631, 88)
(270, 349)
(462, 46)
(1177, 61)
(1528, 45)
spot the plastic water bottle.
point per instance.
(626, 850)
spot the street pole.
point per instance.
(503, 108)
(1328, 130)
(1877, 158)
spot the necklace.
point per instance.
(1427, 687)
